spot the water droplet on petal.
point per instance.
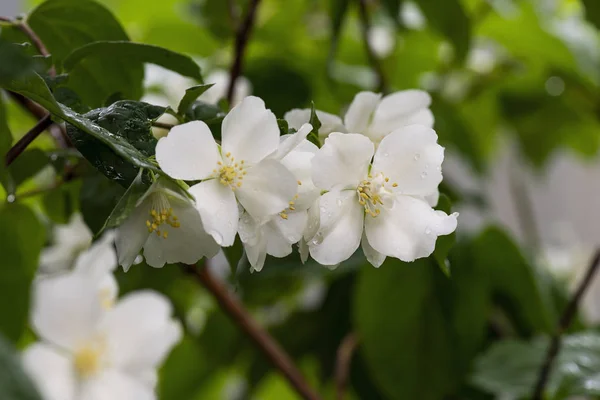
(218, 237)
(427, 231)
(423, 174)
(291, 239)
(438, 168)
(329, 214)
(339, 202)
(385, 154)
(323, 209)
(318, 239)
(417, 156)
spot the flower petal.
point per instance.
(360, 112)
(341, 228)
(373, 256)
(329, 122)
(250, 131)
(68, 240)
(299, 163)
(51, 371)
(267, 189)
(278, 245)
(218, 210)
(409, 229)
(114, 385)
(343, 161)
(189, 152)
(66, 309)
(100, 259)
(187, 244)
(290, 142)
(132, 234)
(290, 229)
(411, 157)
(140, 331)
(400, 109)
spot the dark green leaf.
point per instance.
(65, 25)
(62, 202)
(313, 136)
(449, 18)
(98, 197)
(592, 12)
(510, 368)
(211, 114)
(29, 163)
(14, 382)
(22, 237)
(145, 53)
(15, 62)
(127, 203)
(191, 94)
(283, 126)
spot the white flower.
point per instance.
(382, 40)
(381, 204)
(220, 80)
(373, 115)
(167, 226)
(90, 352)
(277, 235)
(239, 170)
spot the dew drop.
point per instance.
(438, 168)
(323, 209)
(291, 239)
(339, 202)
(318, 239)
(427, 231)
(329, 214)
(385, 154)
(10, 198)
(417, 156)
(217, 236)
(53, 157)
(423, 175)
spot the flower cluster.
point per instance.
(93, 345)
(373, 182)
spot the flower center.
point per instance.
(373, 192)
(229, 172)
(291, 207)
(161, 215)
(88, 359)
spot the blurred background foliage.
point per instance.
(523, 71)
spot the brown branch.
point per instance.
(162, 125)
(373, 59)
(241, 40)
(563, 324)
(342, 364)
(22, 144)
(261, 338)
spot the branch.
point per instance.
(373, 60)
(563, 324)
(261, 338)
(162, 125)
(22, 144)
(241, 40)
(35, 39)
(342, 364)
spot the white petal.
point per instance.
(313, 223)
(218, 210)
(51, 371)
(250, 131)
(278, 245)
(114, 385)
(68, 241)
(303, 250)
(360, 112)
(343, 161)
(373, 256)
(66, 309)
(411, 157)
(256, 253)
(433, 198)
(187, 244)
(290, 142)
(400, 109)
(100, 259)
(329, 122)
(132, 234)
(139, 331)
(341, 228)
(290, 229)
(299, 163)
(409, 229)
(267, 189)
(189, 152)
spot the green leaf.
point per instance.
(29, 163)
(66, 25)
(404, 337)
(15, 63)
(191, 94)
(145, 53)
(14, 382)
(127, 203)
(313, 135)
(61, 202)
(510, 368)
(211, 114)
(22, 237)
(592, 12)
(98, 197)
(449, 18)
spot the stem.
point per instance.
(342, 365)
(22, 144)
(563, 324)
(241, 41)
(265, 342)
(162, 125)
(373, 59)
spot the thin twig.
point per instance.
(563, 324)
(35, 39)
(162, 125)
(342, 364)
(22, 144)
(373, 59)
(241, 40)
(269, 347)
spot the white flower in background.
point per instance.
(381, 204)
(87, 351)
(240, 170)
(164, 87)
(382, 40)
(220, 80)
(411, 16)
(277, 235)
(166, 224)
(372, 114)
